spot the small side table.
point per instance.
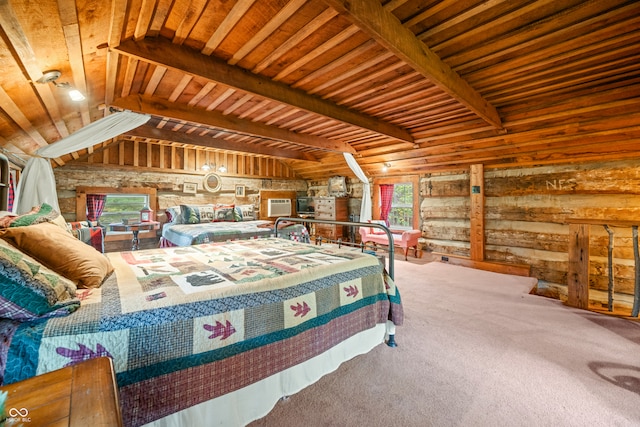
(84, 394)
(134, 229)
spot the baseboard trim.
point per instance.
(494, 266)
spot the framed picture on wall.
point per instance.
(190, 187)
(337, 186)
(240, 190)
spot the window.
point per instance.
(404, 213)
(122, 206)
(401, 213)
(121, 202)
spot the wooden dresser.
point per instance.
(335, 209)
(84, 394)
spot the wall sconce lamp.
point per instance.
(207, 167)
(52, 76)
(386, 166)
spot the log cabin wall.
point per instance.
(169, 186)
(526, 210)
(166, 168)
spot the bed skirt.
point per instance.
(253, 402)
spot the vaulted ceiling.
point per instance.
(424, 85)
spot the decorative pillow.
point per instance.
(61, 252)
(247, 212)
(376, 230)
(225, 213)
(173, 214)
(38, 214)
(237, 214)
(29, 290)
(196, 214)
(88, 232)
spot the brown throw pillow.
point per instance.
(61, 252)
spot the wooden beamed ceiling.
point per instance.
(421, 84)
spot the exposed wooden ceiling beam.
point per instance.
(26, 57)
(384, 27)
(162, 108)
(151, 132)
(166, 54)
(71, 29)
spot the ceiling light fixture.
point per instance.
(386, 166)
(53, 75)
(222, 169)
(207, 167)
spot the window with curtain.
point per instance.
(113, 204)
(117, 207)
(404, 211)
(401, 210)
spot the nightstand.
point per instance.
(84, 394)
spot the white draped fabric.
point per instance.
(37, 183)
(365, 207)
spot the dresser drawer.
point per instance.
(325, 212)
(326, 231)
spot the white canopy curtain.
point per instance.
(365, 207)
(37, 183)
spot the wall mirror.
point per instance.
(212, 182)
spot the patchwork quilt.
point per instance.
(187, 324)
(193, 234)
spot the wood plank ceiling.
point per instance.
(424, 85)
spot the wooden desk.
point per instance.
(134, 229)
(84, 394)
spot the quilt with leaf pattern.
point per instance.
(187, 324)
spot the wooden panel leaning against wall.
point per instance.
(169, 188)
(526, 212)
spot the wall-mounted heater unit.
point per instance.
(278, 207)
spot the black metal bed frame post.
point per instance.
(348, 224)
(391, 341)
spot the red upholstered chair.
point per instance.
(401, 239)
(89, 232)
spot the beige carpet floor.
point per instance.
(477, 349)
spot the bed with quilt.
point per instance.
(210, 334)
(194, 224)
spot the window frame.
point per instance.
(81, 206)
(406, 179)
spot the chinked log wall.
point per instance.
(166, 168)
(526, 213)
